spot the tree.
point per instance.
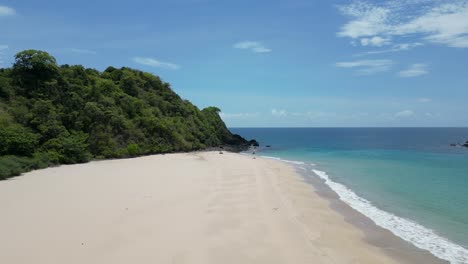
(17, 140)
(69, 148)
(32, 67)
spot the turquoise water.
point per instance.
(411, 173)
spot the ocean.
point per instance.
(407, 180)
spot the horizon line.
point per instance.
(360, 127)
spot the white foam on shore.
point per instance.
(410, 231)
(288, 161)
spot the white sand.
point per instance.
(179, 208)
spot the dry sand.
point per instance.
(178, 208)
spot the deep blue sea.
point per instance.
(408, 180)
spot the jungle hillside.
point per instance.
(64, 114)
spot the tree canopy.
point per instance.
(51, 114)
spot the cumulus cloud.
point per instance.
(254, 46)
(155, 63)
(414, 70)
(6, 11)
(367, 67)
(443, 22)
(404, 113)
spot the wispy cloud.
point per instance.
(442, 22)
(280, 112)
(367, 67)
(394, 48)
(315, 114)
(414, 70)
(7, 11)
(375, 41)
(424, 100)
(432, 115)
(404, 113)
(254, 46)
(238, 115)
(155, 63)
(81, 51)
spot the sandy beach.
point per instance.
(177, 208)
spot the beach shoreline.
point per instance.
(200, 207)
(391, 244)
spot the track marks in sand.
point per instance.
(233, 195)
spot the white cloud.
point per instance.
(432, 115)
(368, 20)
(155, 63)
(237, 115)
(414, 70)
(367, 67)
(315, 115)
(404, 113)
(394, 48)
(424, 100)
(375, 41)
(443, 22)
(279, 112)
(6, 11)
(253, 46)
(81, 51)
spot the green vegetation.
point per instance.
(52, 114)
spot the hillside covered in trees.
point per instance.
(51, 114)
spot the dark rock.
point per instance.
(254, 143)
(236, 143)
(268, 146)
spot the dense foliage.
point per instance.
(52, 114)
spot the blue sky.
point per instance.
(270, 63)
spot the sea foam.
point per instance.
(408, 230)
(283, 160)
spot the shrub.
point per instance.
(133, 149)
(17, 140)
